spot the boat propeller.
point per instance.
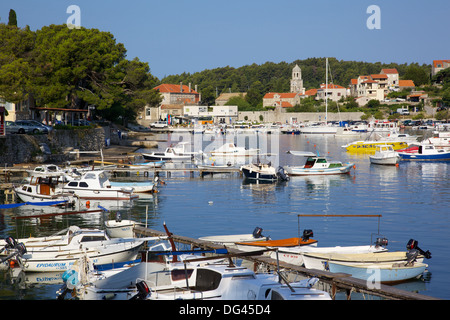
(413, 245)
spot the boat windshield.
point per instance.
(310, 162)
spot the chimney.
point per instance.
(196, 88)
(181, 86)
(189, 87)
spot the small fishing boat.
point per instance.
(320, 261)
(44, 188)
(231, 240)
(148, 186)
(317, 165)
(179, 152)
(426, 152)
(380, 272)
(294, 242)
(231, 150)
(264, 172)
(51, 255)
(95, 185)
(294, 255)
(52, 169)
(384, 154)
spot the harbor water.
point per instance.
(413, 199)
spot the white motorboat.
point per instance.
(231, 150)
(440, 139)
(95, 185)
(121, 228)
(231, 240)
(60, 254)
(148, 186)
(294, 255)
(264, 172)
(317, 165)
(384, 154)
(42, 188)
(315, 260)
(380, 272)
(179, 152)
(52, 169)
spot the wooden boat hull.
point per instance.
(281, 243)
(385, 273)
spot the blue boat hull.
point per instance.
(425, 157)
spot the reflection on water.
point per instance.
(412, 198)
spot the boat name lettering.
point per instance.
(51, 265)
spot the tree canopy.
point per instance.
(257, 80)
(73, 68)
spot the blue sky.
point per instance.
(176, 36)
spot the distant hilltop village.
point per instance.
(181, 103)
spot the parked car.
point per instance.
(158, 124)
(26, 126)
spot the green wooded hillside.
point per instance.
(275, 77)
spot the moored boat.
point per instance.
(380, 272)
(60, 254)
(95, 185)
(317, 165)
(426, 152)
(384, 154)
(369, 146)
(264, 172)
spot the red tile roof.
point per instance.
(378, 76)
(286, 95)
(406, 83)
(441, 62)
(389, 71)
(173, 88)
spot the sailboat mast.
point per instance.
(326, 92)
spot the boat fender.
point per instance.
(414, 244)
(257, 233)
(307, 233)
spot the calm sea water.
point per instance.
(412, 198)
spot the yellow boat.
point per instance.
(371, 146)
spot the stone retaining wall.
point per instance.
(52, 147)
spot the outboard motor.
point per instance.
(411, 256)
(257, 233)
(281, 174)
(307, 233)
(414, 245)
(143, 291)
(381, 242)
(118, 216)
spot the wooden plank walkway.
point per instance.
(334, 280)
